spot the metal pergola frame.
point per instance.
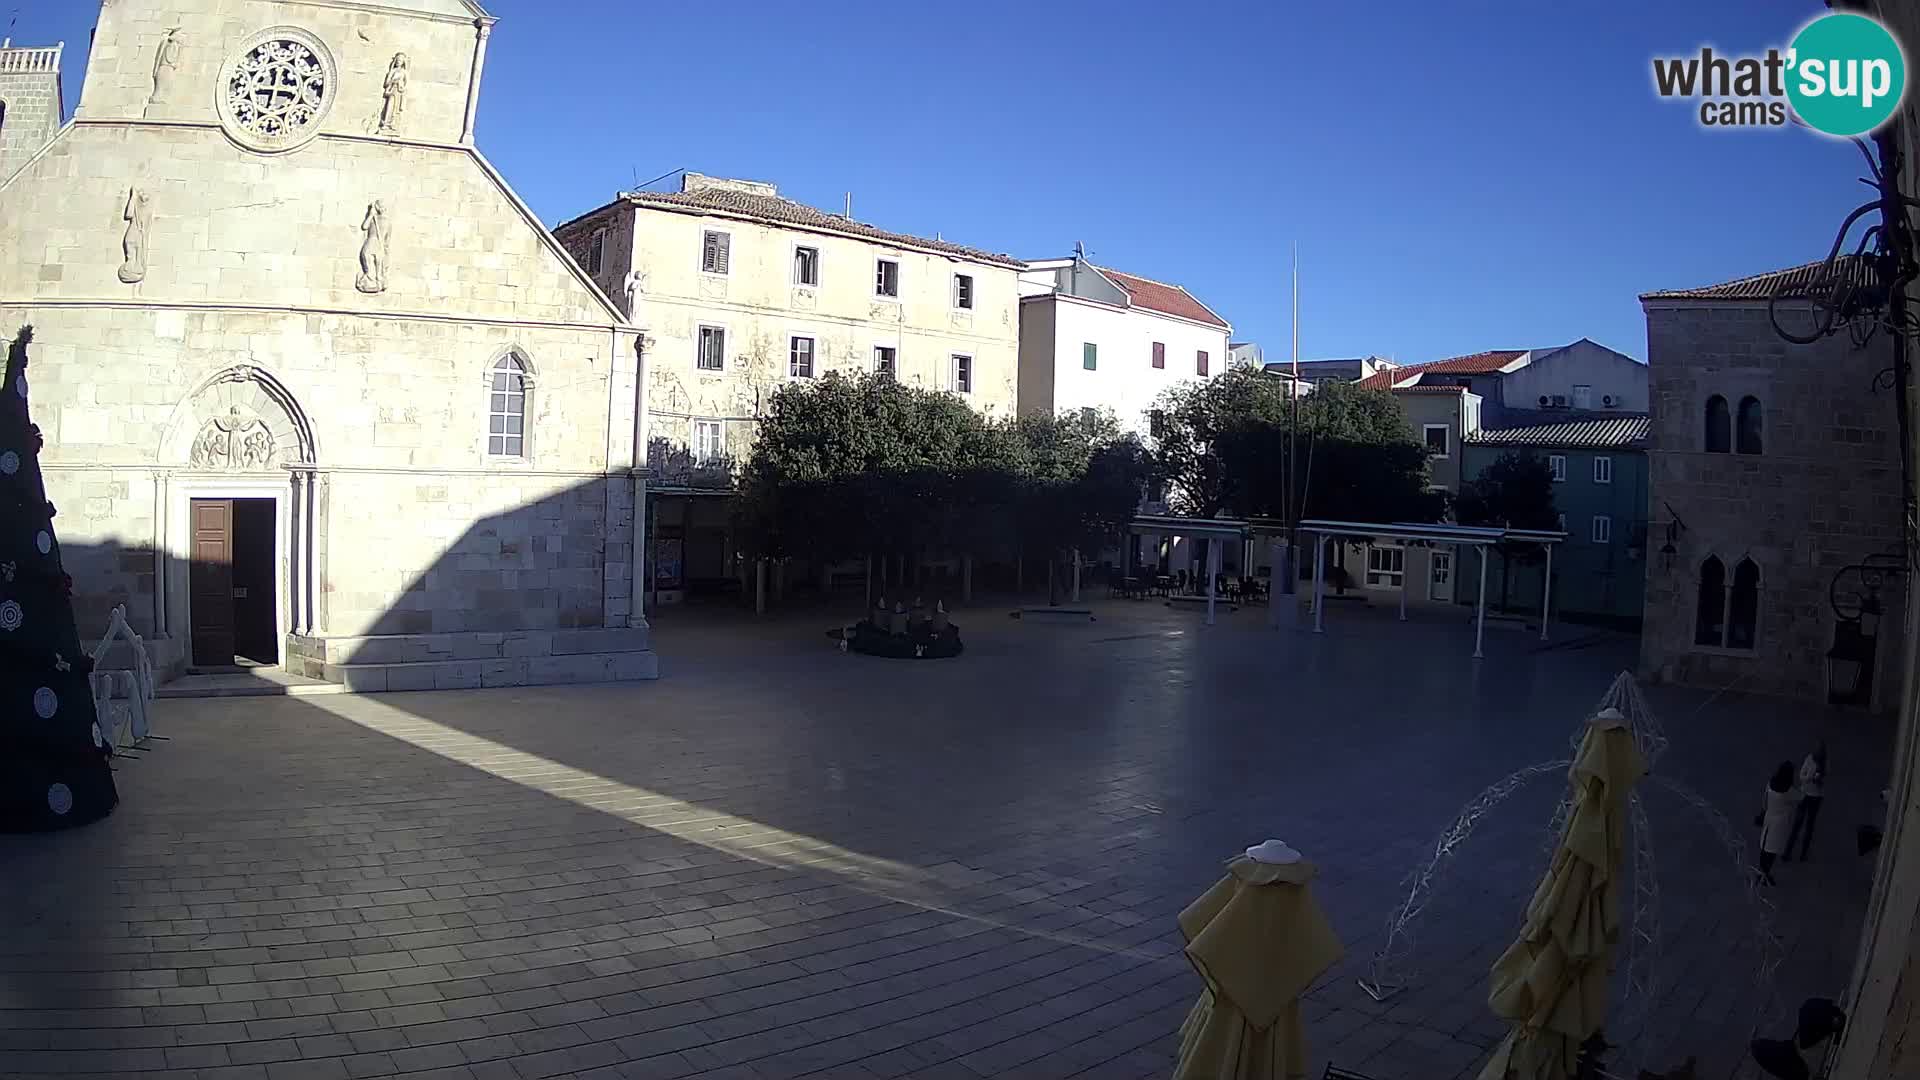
(1195, 529)
(1475, 536)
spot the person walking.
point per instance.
(1813, 790)
(1776, 818)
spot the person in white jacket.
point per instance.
(1776, 818)
(1813, 790)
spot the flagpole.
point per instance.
(1294, 504)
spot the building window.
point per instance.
(1603, 470)
(597, 251)
(1200, 362)
(963, 291)
(885, 360)
(1386, 567)
(1436, 436)
(507, 408)
(1743, 606)
(1160, 354)
(1602, 529)
(800, 357)
(1157, 423)
(1719, 426)
(806, 266)
(712, 353)
(714, 248)
(1089, 416)
(886, 278)
(1563, 522)
(1557, 467)
(1726, 618)
(1582, 397)
(1709, 627)
(962, 374)
(1748, 430)
(1089, 356)
(709, 441)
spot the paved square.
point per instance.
(782, 861)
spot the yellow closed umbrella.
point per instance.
(1551, 984)
(1259, 940)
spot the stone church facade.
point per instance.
(318, 389)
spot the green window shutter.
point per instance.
(1090, 356)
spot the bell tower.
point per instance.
(30, 106)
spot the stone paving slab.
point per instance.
(783, 861)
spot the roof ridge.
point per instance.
(753, 205)
(1843, 260)
(1140, 277)
(1752, 277)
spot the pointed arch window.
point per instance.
(1747, 427)
(1743, 605)
(1710, 626)
(1719, 426)
(508, 387)
(1727, 613)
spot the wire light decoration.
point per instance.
(1393, 966)
(1867, 292)
(1643, 975)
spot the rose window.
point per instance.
(276, 91)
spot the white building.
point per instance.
(318, 389)
(742, 292)
(1532, 386)
(1095, 338)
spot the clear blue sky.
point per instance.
(1500, 177)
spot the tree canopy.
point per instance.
(1223, 447)
(1514, 492)
(848, 466)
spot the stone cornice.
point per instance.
(151, 303)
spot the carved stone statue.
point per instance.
(941, 620)
(236, 441)
(166, 63)
(635, 284)
(373, 250)
(393, 94)
(134, 244)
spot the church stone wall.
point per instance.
(180, 279)
(362, 41)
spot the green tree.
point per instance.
(850, 466)
(1514, 492)
(1189, 421)
(1348, 411)
(1076, 481)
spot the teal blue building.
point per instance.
(1599, 465)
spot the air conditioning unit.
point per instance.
(1609, 400)
(1559, 401)
(1545, 401)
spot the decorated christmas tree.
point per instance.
(53, 761)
